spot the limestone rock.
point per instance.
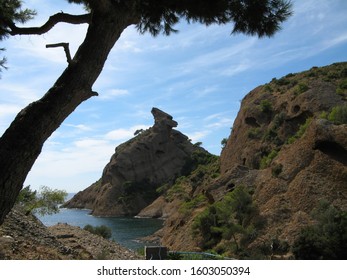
(128, 184)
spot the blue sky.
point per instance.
(199, 76)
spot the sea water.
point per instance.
(125, 231)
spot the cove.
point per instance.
(125, 230)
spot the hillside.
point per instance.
(286, 156)
(288, 150)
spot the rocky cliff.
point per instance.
(288, 147)
(154, 157)
(290, 139)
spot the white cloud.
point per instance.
(332, 42)
(18, 93)
(81, 127)
(113, 93)
(90, 143)
(9, 109)
(128, 46)
(201, 93)
(222, 55)
(74, 167)
(197, 136)
(240, 67)
(123, 134)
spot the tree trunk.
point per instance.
(22, 142)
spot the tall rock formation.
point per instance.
(154, 157)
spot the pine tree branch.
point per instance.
(52, 21)
(66, 49)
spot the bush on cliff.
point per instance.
(102, 230)
(231, 221)
(327, 238)
(338, 115)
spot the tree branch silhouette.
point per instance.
(52, 21)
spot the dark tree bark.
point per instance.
(22, 142)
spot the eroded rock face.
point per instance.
(309, 153)
(154, 157)
(283, 150)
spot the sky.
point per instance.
(199, 76)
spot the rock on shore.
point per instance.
(26, 238)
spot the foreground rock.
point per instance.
(130, 180)
(90, 246)
(26, 238)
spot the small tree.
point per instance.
(224, 142)
(226, 219)
(46, 202)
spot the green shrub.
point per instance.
(278, 120)
(300, 132)
(343, 73)
(333, 75)
(102, 230)
(270, 134)
(327, 239)
(198, 144)
(162, 189)
(338, 115)
(177, 190)
(342, 87)
(301, 88)
(282, 81)
(268, 88)
(266, 160)
(198, 157)
(188, 206)
(224, 142)
(254, 133)
(226, 219)
(323, 115)
(343, 84)
(265, 106)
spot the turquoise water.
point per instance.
(125, 231)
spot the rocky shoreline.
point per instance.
(26, 238)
